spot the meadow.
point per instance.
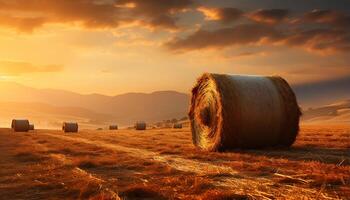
(164, 164)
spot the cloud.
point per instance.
(246, 54)
(323, 41)
(16, 68)
(269, 16)
(163, 21)
(157, 13)
(331, 17)
(156, 7)
(243, 34)
(27, 15)
(225, 15)
(22, 24)
(320, 40)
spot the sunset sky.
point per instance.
(118, 46)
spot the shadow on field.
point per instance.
(299, 153)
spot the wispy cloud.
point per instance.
(16, 68)
(28, 15)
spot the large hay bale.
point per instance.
(31, 127)
(140, 125)
(20, 125)
(70, 127)
(234, 111)
(177, 125)
(113, 127)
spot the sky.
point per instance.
(118, 46)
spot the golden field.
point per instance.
(164, 164)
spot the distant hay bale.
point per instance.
(31, 127)
(233, 111)
(177, 125)
(140, 125)
(20, 125)
(113, 127)
(70, 127)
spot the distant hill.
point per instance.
(323, 92)
(124, 109)
(127, 108)
(333, 113)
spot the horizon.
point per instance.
(341, 78)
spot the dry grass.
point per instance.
(151, 165)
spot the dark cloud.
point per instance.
(269, 16)
(157, 7)
(163, 21)
(321, 40)
(26, 15)
(317, 40)
(225, 15)
(238, 35)
(228, 15)
(331, 17)
(88, 13)
(158, 13)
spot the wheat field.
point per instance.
(164, 164)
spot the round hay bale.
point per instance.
(234, 111)
(140, 125)
(20, 125)
(177, 125)
(113, 127)
(31, 127)
(70, 127)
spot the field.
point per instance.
(163, 164)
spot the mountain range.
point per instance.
(336, 113)
(123, 109)
(45, 105)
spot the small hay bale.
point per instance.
(177, 126)
(234, 111)
(113, 127)
(70, 127)
(140, 125)
(20, 125)
(31, 127)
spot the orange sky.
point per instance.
(117, 46)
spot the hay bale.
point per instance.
(177, 125)
(233, 111)
(70, 127)
(141, 125)
(113, 127)
(20, 125)
(31, 127)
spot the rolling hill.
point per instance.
(337, 113)
(124, 109)
(127, 108)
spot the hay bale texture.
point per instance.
(140, 125)
(235, 111)
(70, 127)
(177, 126)
(20, 125)
(113, 127)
